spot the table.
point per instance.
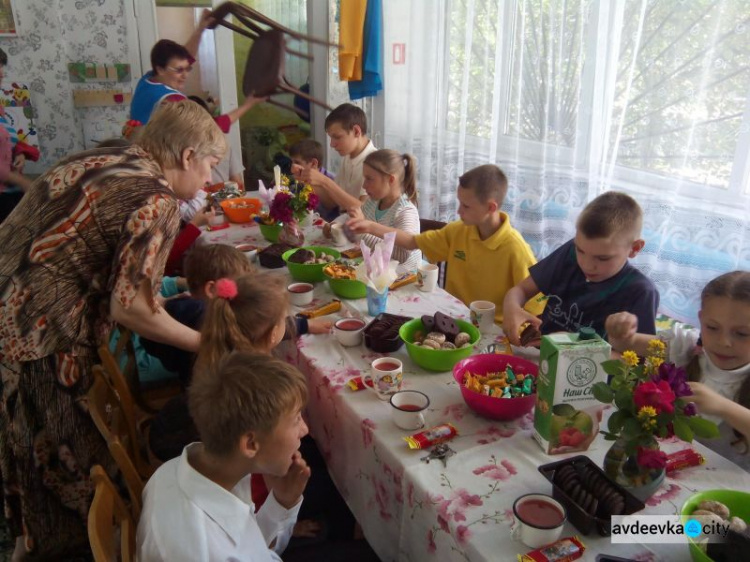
(413, 511)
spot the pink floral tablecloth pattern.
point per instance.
(414, 511)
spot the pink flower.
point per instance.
(462, 534)
(658, 395)
(443, 524)
(669, 494)
(651, 458)
(367, 426)
(456, 411)
(493, 472)
(431, 546)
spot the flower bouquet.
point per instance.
(288, 204)
(649, 397)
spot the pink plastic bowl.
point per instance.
(489, 406)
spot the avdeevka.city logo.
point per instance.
(666, 529)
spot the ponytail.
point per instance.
(410, 177)
(243, 321)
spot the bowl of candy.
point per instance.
(306, 264)
(729, 508)
(497, 386)
(240, 209)
(438, 342)
(342, 279)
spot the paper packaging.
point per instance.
(565, 417)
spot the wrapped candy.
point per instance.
(564, 550)
(432, 436)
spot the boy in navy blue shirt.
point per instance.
(589, 278)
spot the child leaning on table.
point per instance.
(485, 255)
(589, 278)
(308, 154)
(716, 357)
(248, 411)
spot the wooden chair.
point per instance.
(107, 515)
(429, 224)
(107, 411)
(264, 69)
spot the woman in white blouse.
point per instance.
(390, 181)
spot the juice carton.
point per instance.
(566, 414)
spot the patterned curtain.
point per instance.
(575, 97)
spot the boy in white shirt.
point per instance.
(198, 506)
(347, 127)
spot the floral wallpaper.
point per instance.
(52, 33)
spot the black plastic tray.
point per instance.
(385, 345)
(579, 518)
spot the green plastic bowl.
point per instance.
(347, 288)
(737, 502)
(271, 231)
(437, 359)
(311, 273)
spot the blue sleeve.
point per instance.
(645, 304)
(169, 287)
(300, 323)
(546, 272)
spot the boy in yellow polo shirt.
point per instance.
(486, 256)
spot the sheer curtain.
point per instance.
(575, 97)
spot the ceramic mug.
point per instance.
(482, 314)
(300, 294)
(348, 331)
(407, 409)
(427, 277)
(385, 377)
(539, 520)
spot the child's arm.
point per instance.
(287, 491)
(404, 239)
(711, 403)
(329, 192)
(514, 315)
(622, 333)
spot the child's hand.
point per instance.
(311, 175)
(319, 326)
(201, 217)
(297, 171)
(706, 400)
(621, 329)
(355, 213)
(287, 489)
(513, 318)
(360, 225)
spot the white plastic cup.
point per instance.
(482, 314)
(427, 277)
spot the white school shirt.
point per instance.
(350, 177)
(681, 342)
(186, 516)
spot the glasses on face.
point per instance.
(180, 69)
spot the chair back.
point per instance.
(108, 515)
(429, 224)
(122, 438)
(122, 376)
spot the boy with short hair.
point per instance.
(485, 255)
(308, 154)
(589, 278)
(198, 506)
(347, 128)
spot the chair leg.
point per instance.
(297, 92)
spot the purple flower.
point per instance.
(675, 376)
(689, 409)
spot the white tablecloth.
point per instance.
(410, 510)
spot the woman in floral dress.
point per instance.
(85, 248)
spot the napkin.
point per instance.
(377, 270)
(266, 195)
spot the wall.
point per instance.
(51, 34)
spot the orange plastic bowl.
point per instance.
(241, 209)
(490, 406)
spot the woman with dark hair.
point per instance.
(85, 248)
(170, 65)
(12, 182)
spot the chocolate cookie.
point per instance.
(447, 325)
(428, 322)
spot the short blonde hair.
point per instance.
(175, 126)
(247, 392)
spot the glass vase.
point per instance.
(292, 234)
(625, 470)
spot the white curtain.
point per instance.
(575, 97)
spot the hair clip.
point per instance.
(226, 289)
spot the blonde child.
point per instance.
(589, 278)
(716, 356)
(390, 182)
(198, 506)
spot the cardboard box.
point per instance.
(566, 418)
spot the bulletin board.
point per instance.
(7, 19)
(16, 100)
